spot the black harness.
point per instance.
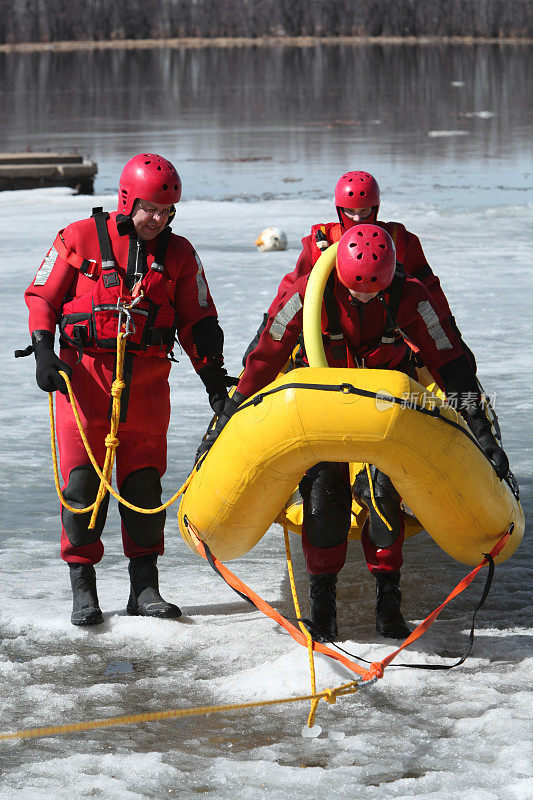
(79, 334)
(334, 332)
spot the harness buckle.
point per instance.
(128, 323)
(125, 311)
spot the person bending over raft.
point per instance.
(357, 200)
(366, 284)
(129, 257)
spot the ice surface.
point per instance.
(412, 734)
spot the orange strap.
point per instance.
(428, 622)
(248, 594)
(83, 265)
(377, 667)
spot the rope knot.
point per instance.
(117, 387)
(111, 441)
(330, 696)
(376, 669)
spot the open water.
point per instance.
(445, 122)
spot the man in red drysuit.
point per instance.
(379, 314)
(101, 272)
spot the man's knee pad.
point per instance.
(387, 500)
(143, 488)
(327, 503)
(80, 492)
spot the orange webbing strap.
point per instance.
(69, 255)
(248, 594)
(428, 622)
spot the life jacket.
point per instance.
(322, 236)
(91, 321)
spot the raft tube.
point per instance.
(356, 415)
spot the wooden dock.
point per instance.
(36, 170)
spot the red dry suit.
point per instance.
(369, 341)
(77, 287)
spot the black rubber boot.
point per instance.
(323, 607)
(389, 619)
(85, 608)
(145, 600)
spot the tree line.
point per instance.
(99, 20)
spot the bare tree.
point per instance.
(56, 20)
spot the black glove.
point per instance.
(480, 427)
(214, 378)
(48, 364)
(230, 407)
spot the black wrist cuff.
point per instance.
(42, 340)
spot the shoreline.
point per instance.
(264, 41)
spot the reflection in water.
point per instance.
(315, 105)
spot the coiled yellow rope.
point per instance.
(111, 442)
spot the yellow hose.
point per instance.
(312, 313)
(312, 325)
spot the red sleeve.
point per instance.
(419, 319)
(52, 282)
(192, 298)
(415, 264)
(303, 267)
(276, 343)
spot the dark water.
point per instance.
(257, 122)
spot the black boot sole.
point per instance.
(94, 618)
(172, 612)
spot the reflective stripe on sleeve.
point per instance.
(46, 267)
(435, 329)
(284, 316)
(200, 283)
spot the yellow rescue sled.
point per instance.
(349, 415)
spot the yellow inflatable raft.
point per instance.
(353, 415)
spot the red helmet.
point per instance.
(366, 259)
(357, 190)
(148, 177)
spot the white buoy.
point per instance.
(271, 239)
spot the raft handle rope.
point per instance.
(348, 388)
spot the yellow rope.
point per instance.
(329, 695)
(378, 512)
(54, 451)
(309, 638)
(111, 442)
